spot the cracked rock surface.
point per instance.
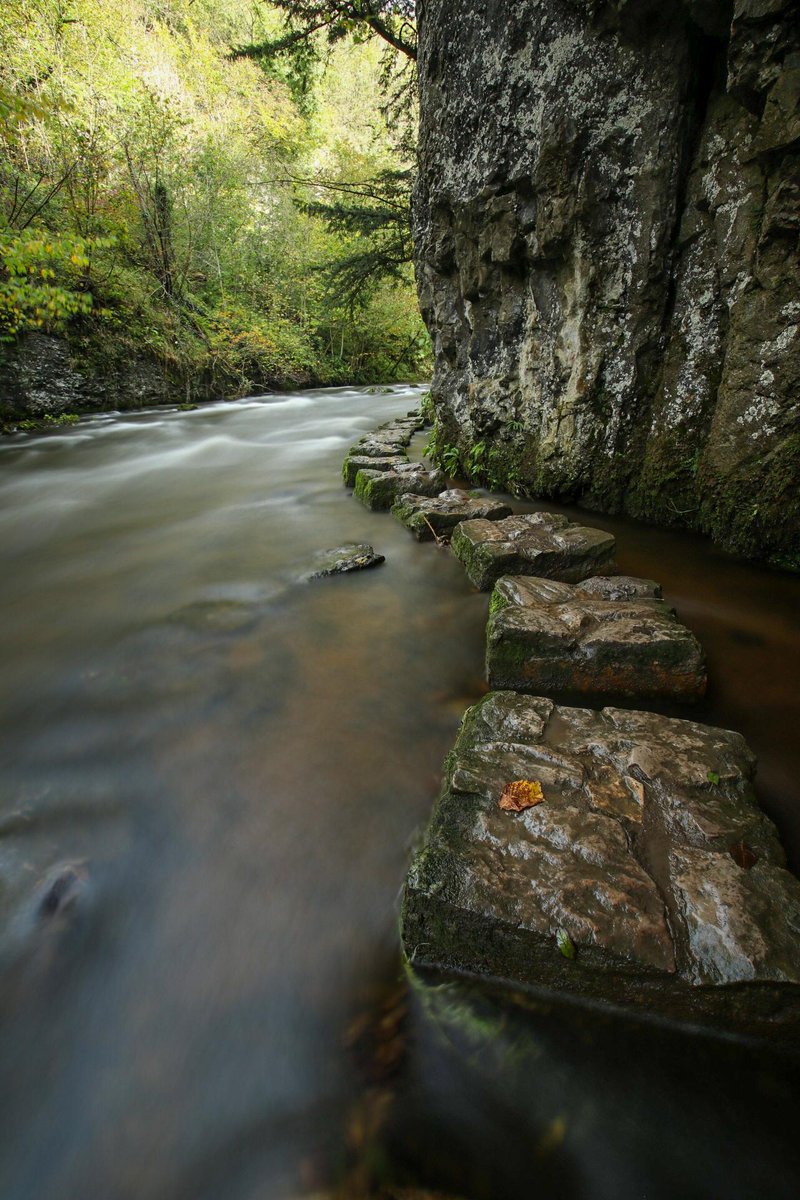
(649, 852)
(438, 516)
(543, 544)
(603, 637)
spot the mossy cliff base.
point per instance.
(607, 223)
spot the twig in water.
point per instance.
(440, 540)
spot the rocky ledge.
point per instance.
(605, 636)
(642, 874)
(380, 489)
(436, 517)
(543, 544)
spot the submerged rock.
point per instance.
(352, 556)
(215, 616)
(379, 489)
(544, 544)
(603, 637)
(632, 863)
(438, 516)
(362, 462)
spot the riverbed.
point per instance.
(228, 767)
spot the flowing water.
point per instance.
(212, 776)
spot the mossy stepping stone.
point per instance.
(605, 637)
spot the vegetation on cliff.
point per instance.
(161, 194)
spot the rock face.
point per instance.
(40, 377)
(546, 637)
(543, 544)
(606, 226)
(430, 517)
(647, 877)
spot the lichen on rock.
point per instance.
(606, 224)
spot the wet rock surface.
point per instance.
(382, 449)
(352, 556)
(603, 637)
(648, 877)
(364, 462)
(542, 544)
(380, 489)
(606, 250)
(430, 517)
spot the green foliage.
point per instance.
(40, 282)
(148, 202)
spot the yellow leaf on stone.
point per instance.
(521, 794)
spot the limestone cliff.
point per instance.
(607, 226)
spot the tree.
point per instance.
(376, 216)
(390, 20)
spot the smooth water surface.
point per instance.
(212, 774)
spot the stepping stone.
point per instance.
(647, 878)
(438, 516)
(357, 462)
(380, 489)
(605, 636)
(544, 544)
(372, 447)
(396, 438)
(352, 556)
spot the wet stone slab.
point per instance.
(606, 636)
(647, 878)
(542, 544)
(352, 556)
(361, 462)
(437, 516)
(380, 489)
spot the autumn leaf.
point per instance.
(521, 794)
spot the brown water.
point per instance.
(225, 768)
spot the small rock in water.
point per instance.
(352, 556)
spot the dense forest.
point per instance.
(166, 191)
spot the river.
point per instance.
(212, 777)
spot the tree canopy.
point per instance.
(160, 191)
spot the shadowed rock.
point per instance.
(352, 556)
(379, 489)
(429, 517)
(603, 637)
(543, 544)
(633, 861)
